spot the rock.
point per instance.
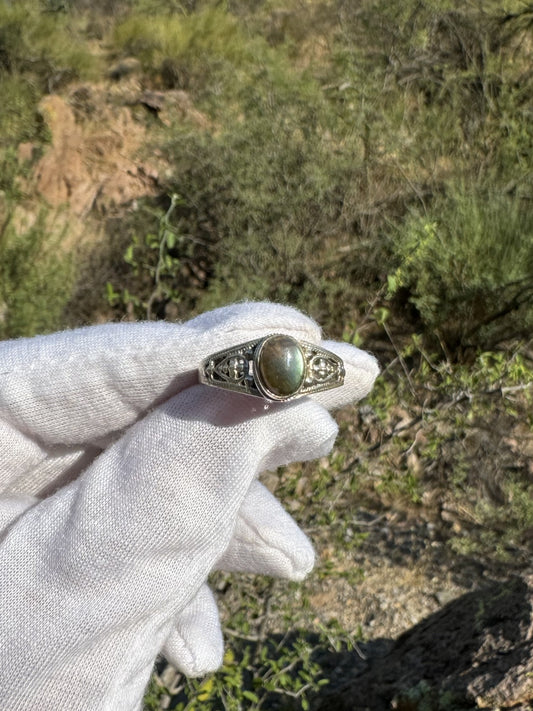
(172, 105)
(93, 164)
(476, 652)
(61, 174)
(153, 100)
(125, 67)
(26, 152)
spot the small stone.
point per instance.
(126, 67)
(281, 366)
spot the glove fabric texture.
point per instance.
(124, 483)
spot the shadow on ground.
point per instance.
(476, 652)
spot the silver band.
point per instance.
(276, 367)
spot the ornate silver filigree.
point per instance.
(239, 369)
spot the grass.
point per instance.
(187, 50)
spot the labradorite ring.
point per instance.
(275, 367)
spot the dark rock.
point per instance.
(153, 100)
(476, 652)
(124, 68)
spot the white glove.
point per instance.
(123, 484)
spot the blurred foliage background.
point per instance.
(368, 162)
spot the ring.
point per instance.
(275, 367)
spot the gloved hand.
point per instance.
(123, 483)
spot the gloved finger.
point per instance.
(195, 645)
(109, 560)
(266, 540)
(89, 384)
(27, 469)
(18, 454)
(190, 463)
(11, 507)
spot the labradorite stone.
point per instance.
(281, 365)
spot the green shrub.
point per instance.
(467, 266)
(261, 218)
(185, 50)
(308, 168)
(18, 115)
(35, 281)
(268, 206)
(42, 45)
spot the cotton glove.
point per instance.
(124, 484)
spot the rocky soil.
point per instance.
(438, 632)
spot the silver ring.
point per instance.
(275, 367)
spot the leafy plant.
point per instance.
(259, 672)
(467, 267)
(40, 45)
(35, 280)
(249, 676)
(154, 264)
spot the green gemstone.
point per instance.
(281, 366)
